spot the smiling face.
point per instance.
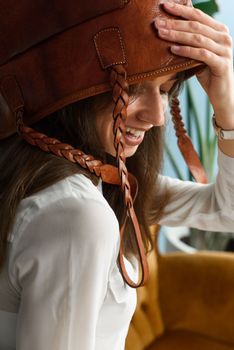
(146, 109)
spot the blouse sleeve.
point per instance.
(201, 206)
(61, 265)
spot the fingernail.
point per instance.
(161, 22)
(175, 48)
(163, 31)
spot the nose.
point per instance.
(152, 108)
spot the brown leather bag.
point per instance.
(54, 55)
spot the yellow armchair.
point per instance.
(188, 304)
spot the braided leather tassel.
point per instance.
(52, 145)
(185, 144)
(120, 96)
(121, 99)
(108, 173)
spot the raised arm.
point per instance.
(200, 37)
(202, 206)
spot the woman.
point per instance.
(60, 283)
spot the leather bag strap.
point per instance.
(185, 144)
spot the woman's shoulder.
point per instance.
(76, 189)
(74, 202)
(77, 186)
(65, 223)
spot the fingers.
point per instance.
(195, 35)
(192, 27)
(199, 54)
(193, 39)
(198, 36)
(193, 14)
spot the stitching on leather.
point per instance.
(162, 70)
(97, 89)
(121, 45)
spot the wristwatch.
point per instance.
(221, 133)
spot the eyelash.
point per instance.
(135, 91)
(163, 92)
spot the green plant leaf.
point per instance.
(174, 164)
(208, 6)
(193, 111)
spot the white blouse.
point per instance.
(61, 288)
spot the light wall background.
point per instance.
(226, 16)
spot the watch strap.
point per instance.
(221, 133)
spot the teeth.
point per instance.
(135, 132)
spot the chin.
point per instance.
(129, 152)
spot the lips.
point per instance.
(133, 137)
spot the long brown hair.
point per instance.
(26, 170)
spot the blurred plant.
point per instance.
(210, 7)
(204, 139)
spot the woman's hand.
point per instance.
(200, 37)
